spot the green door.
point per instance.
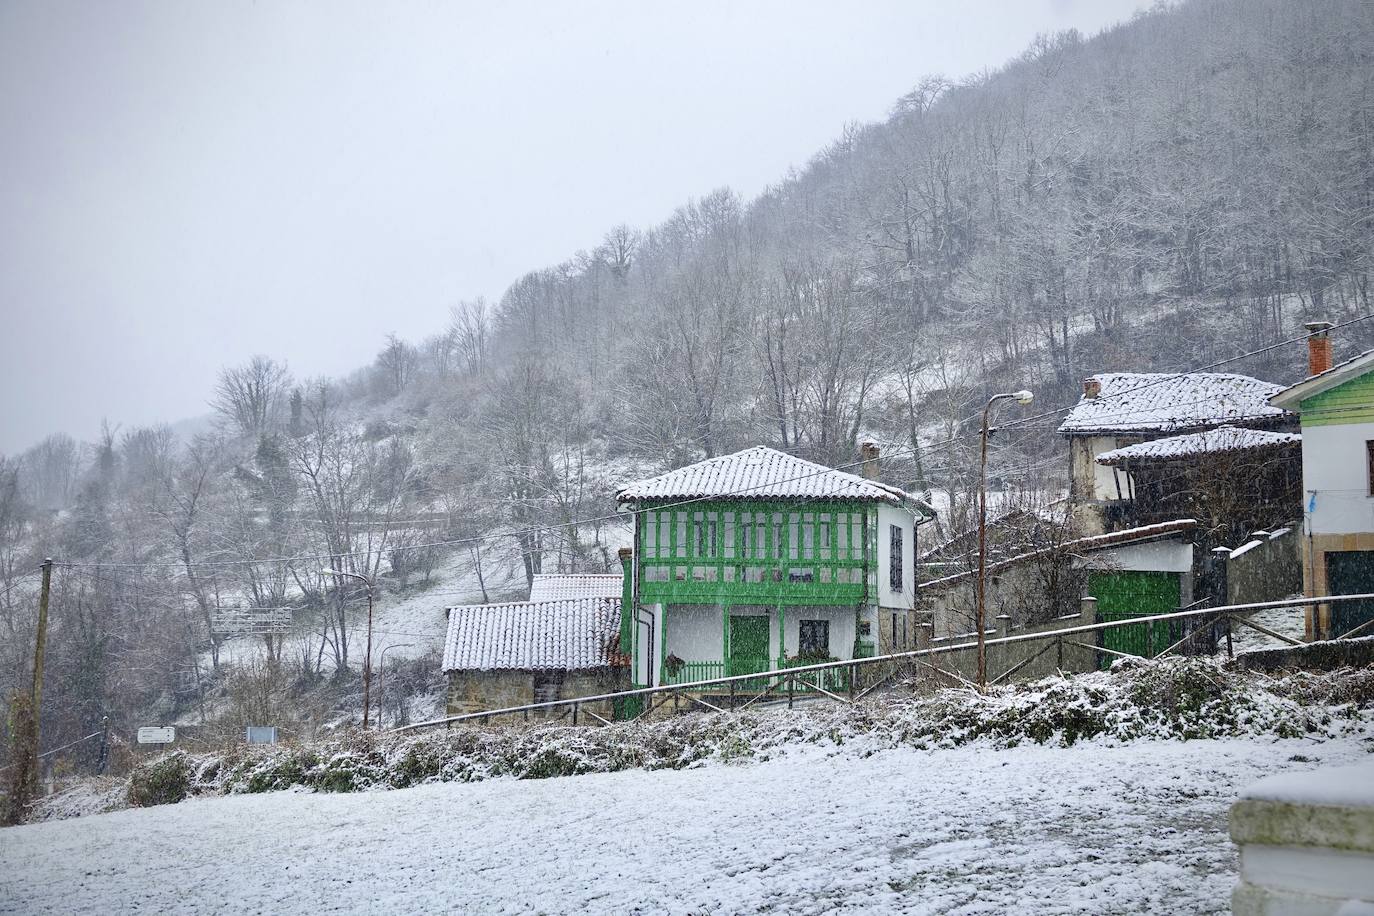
(748, 644)
(1131, 593)
(1350, 572)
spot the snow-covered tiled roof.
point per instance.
(557, 586)
(572, 634)
(1211, 441)
(759, 473)
(1160, 402)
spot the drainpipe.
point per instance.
(627, 604)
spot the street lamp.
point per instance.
(1021, 397)
(381, 678)
(367, 655)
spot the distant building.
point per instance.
(1232, 479)
(1336, 407)
(759, 560)
(1131, 573)
(1120, 409)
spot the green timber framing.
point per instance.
(783, 556)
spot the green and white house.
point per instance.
(1336, 406)
(759, 560)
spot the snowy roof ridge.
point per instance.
(1219, 439)
(557, 586)
(568, 634)
(1338, 374)
(759, 473)
(1170, 402)
(1079, 546)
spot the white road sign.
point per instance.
(157, 734)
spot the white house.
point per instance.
(1336, 407)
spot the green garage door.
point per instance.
(1350, 572)
(1129, 593)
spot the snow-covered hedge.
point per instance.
(1171, 699)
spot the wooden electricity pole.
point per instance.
(40, 646)
(24, 769)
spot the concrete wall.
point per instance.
(475, 691)
(1306, 843)
(1000, 658)
(1266, 569)
(1335, 478)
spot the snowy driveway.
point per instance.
(1093, 829)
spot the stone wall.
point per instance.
(477, 691)
(1316, 656)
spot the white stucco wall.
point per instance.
(696, 632)
(841, 628)
(1335, 478)
(903, 597)
(1155, 556)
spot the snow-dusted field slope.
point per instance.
(1133, 828)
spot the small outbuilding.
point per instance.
(522, 652)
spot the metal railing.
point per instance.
(785, 683)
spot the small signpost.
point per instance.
(261, 734)
(157, 734)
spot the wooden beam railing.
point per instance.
(920, 656)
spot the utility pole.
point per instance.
(26, 731)
(980, 587)
(40, 646)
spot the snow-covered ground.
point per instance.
(1092, 828)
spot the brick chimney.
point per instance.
(869, 455)
(1318, 346)
(1091, 387)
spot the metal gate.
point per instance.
(1131, 593)
(1350, 572)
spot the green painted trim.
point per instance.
(1349, 402)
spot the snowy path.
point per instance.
(1093, 829)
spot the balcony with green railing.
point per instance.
(815, 552)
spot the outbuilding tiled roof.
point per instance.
(1159, 402)
(571, 634)
(1211, 441)
(759, 473)
(557, 586)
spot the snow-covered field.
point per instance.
(1092, 828)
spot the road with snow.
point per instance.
(1136, 828)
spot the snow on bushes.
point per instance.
(1176, 699)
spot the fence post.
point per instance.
(574, 717)
(1229, 651)
(791, 685)
(853, 676)
(1059, 652)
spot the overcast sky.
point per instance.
(183, 185)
